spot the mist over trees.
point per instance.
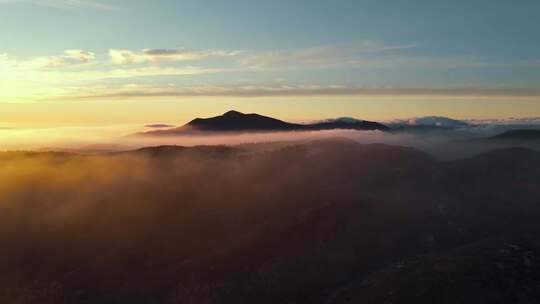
(265, 223)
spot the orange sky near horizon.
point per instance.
(177, 111)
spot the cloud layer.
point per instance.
(153, 55)
(156, 72)
(134, 90)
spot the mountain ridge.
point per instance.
(234, 121)
(519, 134)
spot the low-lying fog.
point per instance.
(445, 143)
(218, 225)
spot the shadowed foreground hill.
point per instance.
(301, 223)
(490, 271)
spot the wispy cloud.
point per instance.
(81, 73)
(39, 77)
(512, 121)
(322, 56)
(122, 56)
(70, 58)
(65, 4)
(368, 55)
(436, 62)
(53, 67)
(151, 71)
(153, 55)
(134, 91)
(159, 126)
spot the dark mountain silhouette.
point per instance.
(234, 121)
(521, 134)
(525, 138)
(346, 124)
(510, 136)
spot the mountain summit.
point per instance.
(234, 121)
(237, 121)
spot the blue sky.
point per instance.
(73, 50)
(499, 29)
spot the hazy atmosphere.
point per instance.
(110, 63)
(250, 151)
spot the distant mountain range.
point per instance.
(427, 124)
(513, 137)
(234, 121)
(518, 135)
(469, 131)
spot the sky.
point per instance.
(88, 63)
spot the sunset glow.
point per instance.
(89, 63)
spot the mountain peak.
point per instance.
(234, 121)
(238, 121)
(233, 113)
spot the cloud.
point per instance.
(322, 56)
(131, 91)
(533, 121)
(25, 79)
(159, 126)
(70, 58)
(80, 55)
(80, 73)
(122, 56)
(470, 124)
(77, 58)
(64, 4)
(368, 55)
(440, 62)
(444, 128)
(148, 72)
(153, 55)
(429, 121)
